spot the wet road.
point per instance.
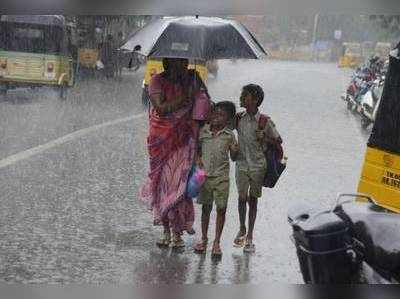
(68, 205)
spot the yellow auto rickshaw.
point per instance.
(35, 52)
(351, 55)
(154, 66)
(380, 176)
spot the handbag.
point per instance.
(197, 177)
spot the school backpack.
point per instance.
(276, 163)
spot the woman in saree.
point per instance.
(172, 144)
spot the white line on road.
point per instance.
(66, 138)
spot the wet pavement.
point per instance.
(69, 211)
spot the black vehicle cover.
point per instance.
(386, 131)
(378, 230)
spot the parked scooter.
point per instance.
(358, 87)
(362, 81)
(370, 103)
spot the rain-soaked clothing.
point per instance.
(172, 142)
(251, 164)
(215, 157)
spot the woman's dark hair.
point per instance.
(256, 91)
(167, 61)
(228, 107)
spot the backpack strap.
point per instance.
(238, 117)
(262, 121)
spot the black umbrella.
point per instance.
(203, 38)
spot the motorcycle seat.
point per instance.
(378, 230)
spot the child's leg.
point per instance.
(242, 209)
(205, 220)
(201, 245)
(252, 216)
(255, 192)
(216, 250)
(221, 196)
(220, 224)
(242, 183)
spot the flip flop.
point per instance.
(200, 247)
(239, 240)
(164, 241)
(177, 243)
(249, 247)
(216, 252)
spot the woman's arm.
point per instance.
(198, 155)
(162, 107)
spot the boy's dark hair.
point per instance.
(228, 107)
(256, 91)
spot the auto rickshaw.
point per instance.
(351, 55)
(154, 66)
(35, 52)
(357, 240)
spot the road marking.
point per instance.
(59, 141)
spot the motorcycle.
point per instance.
(356, 90)
(370, 103)
(361, 82)
(352, 242)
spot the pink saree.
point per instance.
(172, 142)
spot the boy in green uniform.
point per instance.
(216, 144)
(251, 164)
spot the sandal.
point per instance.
(201, 246)
(239, 240)
(216, 252)
(249, 247)
(177, 242)
(165, 240)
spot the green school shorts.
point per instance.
(250, 182)
(215, 190)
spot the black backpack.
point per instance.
(276, 163)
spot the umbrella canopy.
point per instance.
(203, 38)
